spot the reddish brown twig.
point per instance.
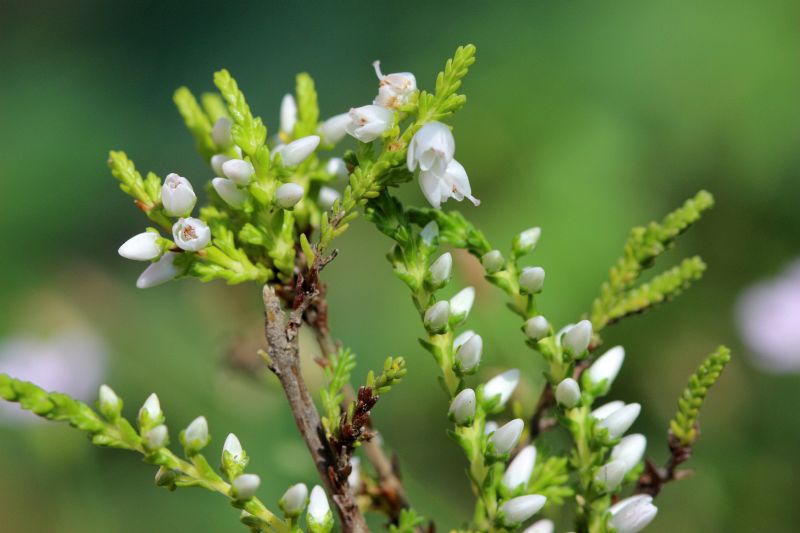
(655, 477)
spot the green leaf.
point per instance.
(196, 121)
(307, 107)
(249, 132)
(445, 101)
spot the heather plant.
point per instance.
(274, 208)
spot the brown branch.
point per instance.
(655, 477)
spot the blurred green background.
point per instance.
(584, 117)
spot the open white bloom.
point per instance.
(462, 408)
(334, 129)
(461, 303)
(288, 114)
(521, 508)
(618, 422)
(430, 232)
(354, 478)
(336, 167)
(531, 279)
(177, 195)
(536, 327)
(191, 234)
(610, 475)
(141, 247)
(492, 261)
(229, 192)
(525, 242)
(298, 151)
(288, 194)
(436, 316)
(327, 197)
(502, 385)
(395, 89)
(605, 410)
(453, 183)
(233, 447)
(633, 514)
(441, 268)
(159, 272)
(245, 486)
(221, 132)
(294, 499)
(520, 469)
(217, 161)
(541, 526)
(157, 437)
(319, 510)
(238, 171)
(630, 450)
(507, 436)
(568, 393)
(369, 122)
(432, 149)
(577, 338)
(606, 367)
(196, 433)
(469, 353)
(109, 401)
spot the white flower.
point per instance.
(238, 171)
(191, 234)
(431, 148)
(461, 339)
(607, 409)
(334, 129)
(506, 436)
(630, 450)
(461, 303)
(490, 427)
(492, 261)
(502, 385)
(288, 194)
(618, 422)
(110, 404)
(462, 408)
(354, 478)
(288, 114)
(430, 232)
(577, 338)
(633, 514)
(369, 122)
(436, 316)
(152, 407)
(610, 475)
(520, 469)
(245, 486)
(221, 132)
(319, 510)
(568, 393)
(177, 196)
(541, 526)
(157, 437)
(336, 167)
(536, 327)
(521, 508)
(531, 279)
(469, 353)
(217, 161)
(233, 447)
(294, 499)
(606, 367)
(395, 89)
(327, 197)
(525, 242)
(159, 272)
(454, 183)
(196, 433)
(229, 192)
(141, 247)
(298, 151)
(440, 269)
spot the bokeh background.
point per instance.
(585, 118)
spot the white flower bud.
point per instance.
(531, 280)
(217, 161)
(430, 232)
(507, 436)
(288, 114)
(577, 338)
(490, 427)
(336, 167)
(537, 327)
(605, 410)
(298, 151)
(440, 269)
(141, 247)
(468, 355)
(618, 422)
(354, 478)
(633, 514)
(196, 434)
(294, 499)
(502, 385)
(610, 475)
(525, 242)
(229, 192)
(606, 367)
(436, 316)
(238, 171)
(221, 133)
(327, 197)
(630, 450)
(369, 122)
(159, 272)
(492, 261)
(541, 526)
(319, 510)
(395, 89)
(431, 148)
(157, 437)
(568, 393)
(520, 469)
(288, 194)
(334, 129)
(191, 234)
(461, 304)
(233, 447)
(110, 404)
(245, 486)
(177, 196)
(462, 338)
(462, 408)
(152, 407)
(521, 508)
(452, 183)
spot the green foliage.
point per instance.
(249, 132)
(408, 523)
(550, 478)
(307, 107)
(337, 372)
(393, 371)
(146, 193)
(196, 120)
(445, 101)
(454, 229)
(685, 424)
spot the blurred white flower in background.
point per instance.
(72, 361)
(768, 316)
